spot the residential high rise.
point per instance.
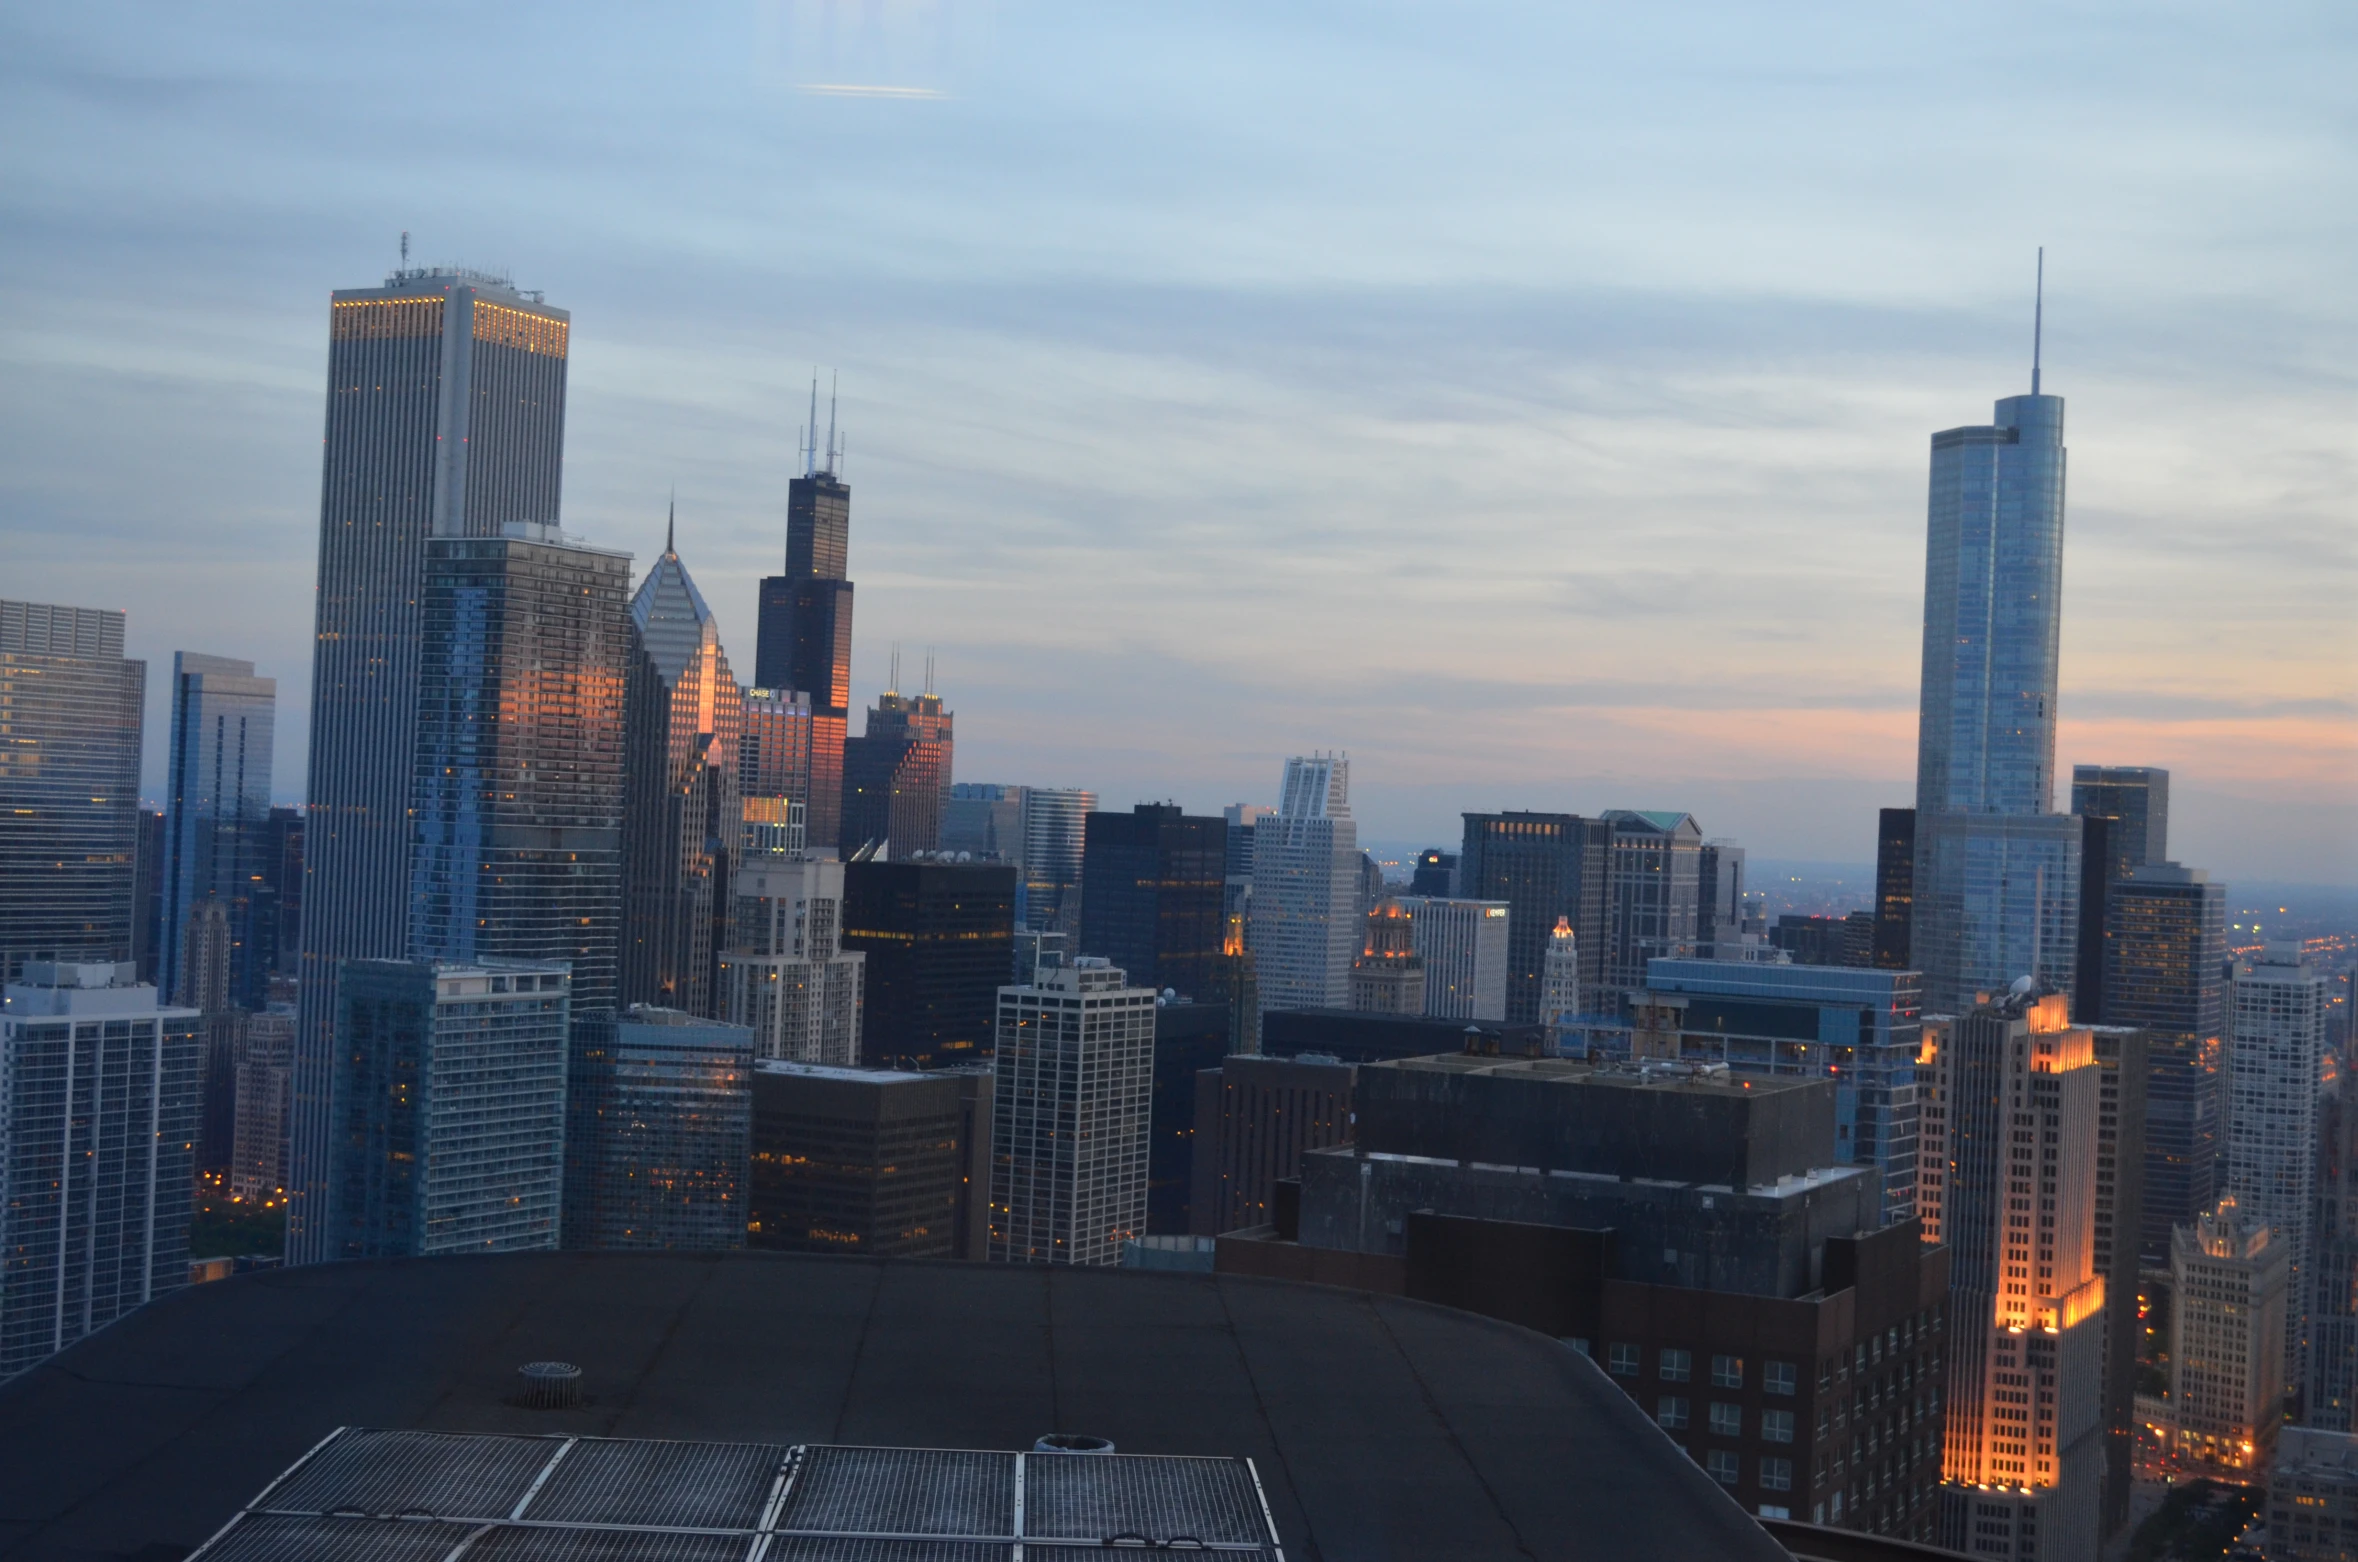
(805, 633)
(519, 796)
(1895, 894)
(217, 781)
(659, 1131)
(265, 1070)
(1543, 866)
(1996, 880)
(448, 1106)
(1388, 977)
(1304, 928)
(207, 958)
(1069, 1125)
(1053, 827)
(2228, 1278)
(896, 775)
(2165, 954)
(1466, 946)
(98, 1122)
(863, 1161)
(789, 979)
(1151, 889)
(2120, 1205)
(445, 418)
(682, 714)
(2009, 1136)
(1254, 1119)
(69, 786)
(2276, 1053)
(940, 941)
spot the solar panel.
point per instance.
(377, 1496)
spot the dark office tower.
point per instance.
(1719, 895)
(217, 791)
(69, 785)
(2164, 972)
(2099, 872)
(1895, 887)
(2120, 1203)
(1151, 882)
(774, 757)
(208, 959)
(862, 1161)
(896, 776)
(2333, 1292)
(518, 807)
(681, 715)
(1188, 1038)
(1435, 871)
(1544, 866)
(282, 866)
(658, 1131)
(147, 896)
(805, 631)
(445, 418)
(940, 941)
(2137, 799)
(1254, 1118)
(1654, 890)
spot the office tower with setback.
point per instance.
(217, 789)
(1304, 929)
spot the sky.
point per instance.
(1532, 401)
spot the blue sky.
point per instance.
(1532, 401)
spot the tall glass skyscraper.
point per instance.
(445, 418)
(896, 775)
(1996, 874)
(217, 821)
(2165, 955)
(69, 785)
(804, 640)
(519, 765)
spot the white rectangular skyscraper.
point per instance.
(1464, 945)
(2275, 1055)
(1073, 1088)
(1305, 927)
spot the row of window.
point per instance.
(1727, 1469)
(1678, 1366)
(1776, 1426)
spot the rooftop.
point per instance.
(1666, 1075)
(1378, 1427)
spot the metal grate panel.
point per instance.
(680, 1485)
(1098, 1496)
(902, 1491)
(807, 1548)
(271, 1537)
(520, 1543)
(440, 1474)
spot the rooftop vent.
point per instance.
(550, 1385)
(1072, 1443)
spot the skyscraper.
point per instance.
(940, 942)
(896, 774)
(518, 810)
(788, 978)
(1151, 883)
(1069, 1128)
(2275, 1059)
(984, 819)
(1719, 894)
(448, 1106)
(2137, 799)
(1543, 866)
(2165, 952)
(776, 733)
(2009, 1120)
(1466, 946)
(445, 418)
(1895, 887)
(659, 1132)
(99, 1095)
(681, 755)
(207, 957)
(2120, 1207)
(1655, 892)
(2332, 1399)
(1388, 977)
(1053, 829)
(1254, 1117)
(69, 786)
(865, 1161)
(1241, 818)
(217, 786)
(804, 639)
(2228, 1277)
(1305, 928)
(1996, 881)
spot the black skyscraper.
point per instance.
(1544, 866)
(1151, 898)
(804, 637)
(940, 940)
(1895, 887)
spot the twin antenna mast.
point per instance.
(814, 462)
(2038, 319)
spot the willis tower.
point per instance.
(806, 621)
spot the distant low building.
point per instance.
(2312, 1496)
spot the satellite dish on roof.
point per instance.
(2024, 986)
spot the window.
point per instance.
(1771, 1510)
(1727, 1420)
(1670, 1413)
(1776, 1475)
(1624, 1361)
(1727, 1372)
(1776, 1426)
(1676, 1366)
(1722, 1466)
(1778, 1377)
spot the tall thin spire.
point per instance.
(671, 517)
(831, 379)
(810, 446)
(2038, 319)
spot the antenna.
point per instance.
(831, 378)
(2038, 319)
(405, 249)
(671, 516)
(893, 683)
(929, 669)
(810, 459)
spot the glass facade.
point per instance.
(774, 752)
(1054, 829)
(99, 1096)
(518, 811)
(659, 1132)
(69, 785)
(1544, 866)
(2136, 798)
(445, 418)
(1656, 890)
(805, 629)
(217, 841)
(896, 775)
(1997, 898)
(857, 1161)
(1151, 894)
(940, 941)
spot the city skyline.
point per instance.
(1292, 409)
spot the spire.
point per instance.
(810, 447)
(831, 378)
(671, 517)
(2038, 318)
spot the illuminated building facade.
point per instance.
(1151, 891)
(2008, 1129)
(681, 816)
(2312, 1509)
(69, 786)
(788, 978)
(518, 807)
(2228, 1279)
(1070, 1117)
(2165, 954)
(1466, 946)
(1304, 928)
(774, 738)
(658, 1131)
(896, 775)
(445, 418)
(2276, 1053)
(805, 628)
(1542, 866)
(1656, 890)
(217, 782)
(1389, 975)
